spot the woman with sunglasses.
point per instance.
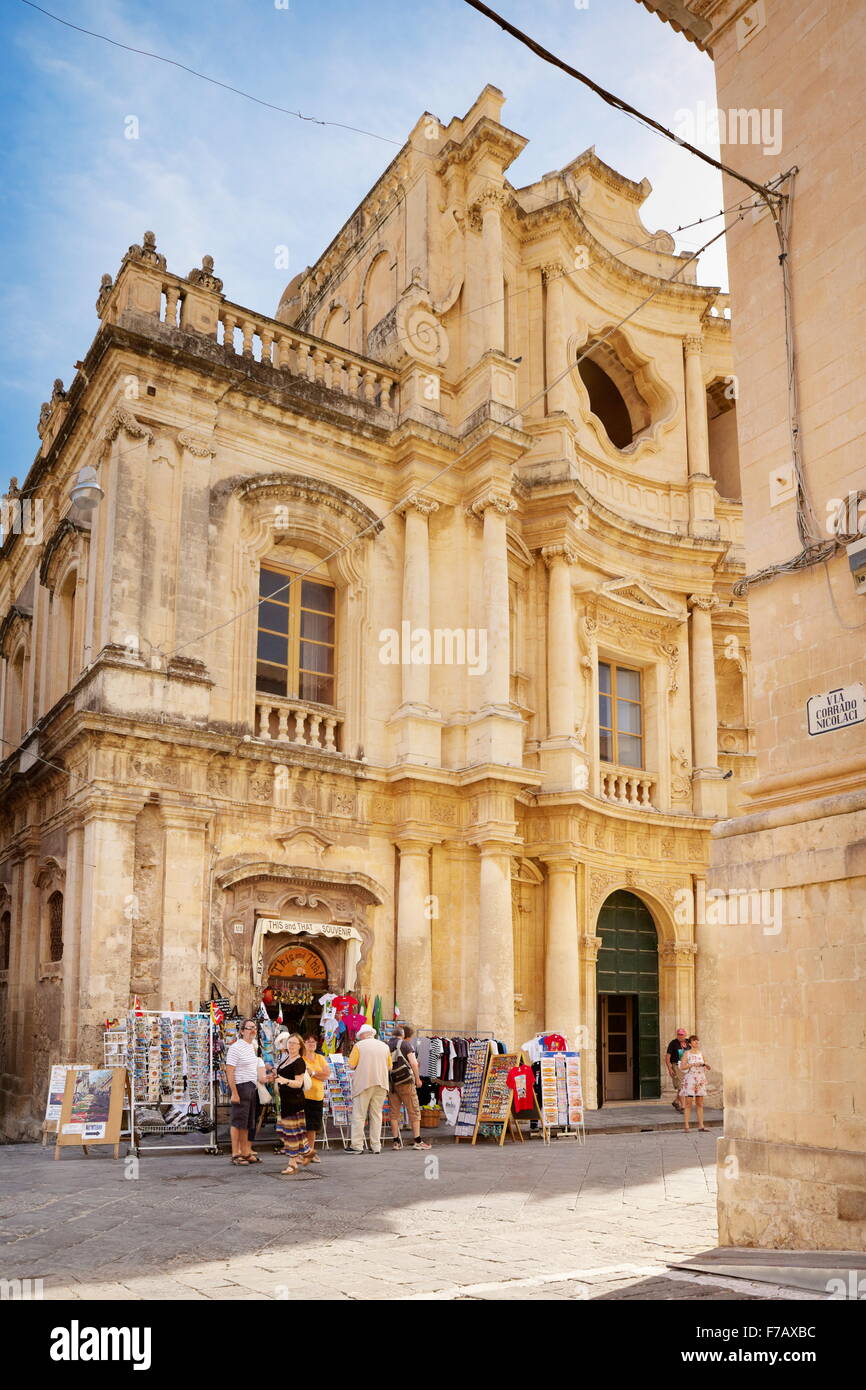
(291, 1126)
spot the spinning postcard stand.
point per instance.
(171, 1078)
(562, 1094)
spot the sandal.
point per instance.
(395, 1144)
(240, 1162)
(315, 1159)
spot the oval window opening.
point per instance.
(607, 403)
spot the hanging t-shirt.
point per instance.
(519, 1080)
(345, 1004)
(532, 1049)
(327, 1003)
(449, 1099)
(553, 1042)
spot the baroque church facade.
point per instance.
(400, 643)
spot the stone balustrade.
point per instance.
(196, 307)
(298, 723)
(628, 787)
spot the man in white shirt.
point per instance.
(243, 1072)
(370, 1063)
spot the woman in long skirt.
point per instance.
(291, 1126)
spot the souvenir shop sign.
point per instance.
(290, 926)
(297, 963)
(473, 1082)
(92, 1108)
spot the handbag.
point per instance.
(265, 1097)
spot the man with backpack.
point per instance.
(405, 1081)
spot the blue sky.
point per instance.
(213, 173)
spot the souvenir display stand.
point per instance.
(473, 1085)
(171, 1079)
(115, 1053)
(562, 1095)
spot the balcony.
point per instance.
(628, 786)
(298, 724)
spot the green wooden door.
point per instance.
(628, 963)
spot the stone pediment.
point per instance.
(638, 597)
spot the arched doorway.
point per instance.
(627, 981)
(297, 978)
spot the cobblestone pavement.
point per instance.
(527, 1221)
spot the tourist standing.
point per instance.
(243, 1072)
(314, 1095)
(291, 1071)
(675, 1050)
(370, 1062)
(405, 1082)
(694, 1087)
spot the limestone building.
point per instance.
(792, 1001)
(399, 653)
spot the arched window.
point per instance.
(65, 656)
(724, 451)
(55, 927)
(14, 704)
(336, 327)
(379, 292)
(5, 939)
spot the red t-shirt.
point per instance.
(344, 1004)
(519, 1080)
(553, 1042)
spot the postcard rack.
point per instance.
(171, 1080)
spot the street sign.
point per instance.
(837, 709)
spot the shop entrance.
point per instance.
(627, 980)
(296, 980)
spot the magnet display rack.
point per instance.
(147, 1034)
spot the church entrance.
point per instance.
(627, 980)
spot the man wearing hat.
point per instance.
(370, 1063)
(676, 1048)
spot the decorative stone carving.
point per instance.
(425, 505)
(123, 419)
(499, 501)
(681, 776)
(261, 788)
(566, 552)
(146, 252)
(154, 770)
(706, 602)
(106, 285)
(195, 445)
(205, 277)
(599, 886)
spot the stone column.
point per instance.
(702, 509)
(561, 653)
(24, 948)
(562, 958)
(556, 346)
(590, 946)
(493, 508)
(490, 208)
(495, 944)
(107, 899)
(696, 407)
(71, 942)
(416, 594)
(414, 946)
(184, 908)
(708, 787)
